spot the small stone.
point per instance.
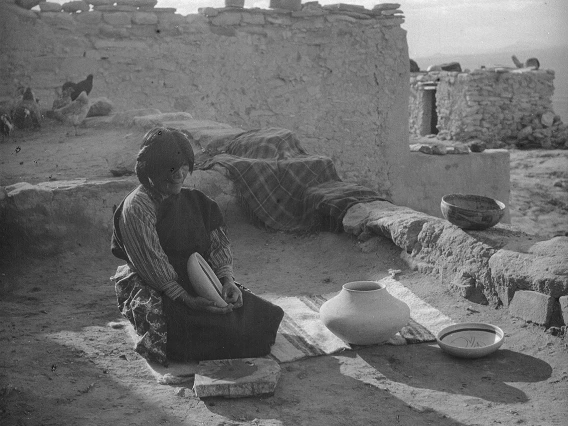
(525, 132)
(547, 119)
(182, 392)
(100, 107)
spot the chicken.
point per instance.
(64, 98)
(83, 86)
(6, 125)
(529, 63)
(27, 112)
(74, 113)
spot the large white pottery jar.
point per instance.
(364, 313)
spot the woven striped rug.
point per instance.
(302, 334)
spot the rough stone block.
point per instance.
(75, 6)
(58, 20)
(547, 119)
(144, 18)
(107, 30)
(563, 300)
(532, 306)
(100, 107)
(236, 378)
(27, 4)
(358, 215)
(91, 17)
(12, 9)
(529, 264)
(253, 18)
(100, 2)
(118, 19)
(171, 20)
(48, 6)
(137, 3)
(227, 18)
(386, 6)
(113, 8)
(286, 4)
(402, 227)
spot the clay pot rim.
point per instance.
(370, 286)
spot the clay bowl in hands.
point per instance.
(470, 339)
(472, 211)
(204, 281)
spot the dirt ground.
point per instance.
(63, 364)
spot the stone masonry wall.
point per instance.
(336, 75)
(491, 105)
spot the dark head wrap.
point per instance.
(163, 150)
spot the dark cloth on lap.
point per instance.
(246, 332)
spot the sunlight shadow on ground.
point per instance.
(62, 384)
(337, 396)
(425, 366)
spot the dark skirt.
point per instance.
(246, 332)
(169, 330)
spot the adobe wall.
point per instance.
(337, 76)
(489, 104)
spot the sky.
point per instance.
(455, 26)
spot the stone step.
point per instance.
(236, 378)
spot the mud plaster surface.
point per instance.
(62, 364)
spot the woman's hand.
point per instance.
(201, 304)
(231, 293)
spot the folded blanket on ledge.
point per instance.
(283, 187)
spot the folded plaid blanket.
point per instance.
(282, 186)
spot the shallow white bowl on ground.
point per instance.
(470, 339)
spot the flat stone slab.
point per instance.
(236, 378)
(532, 306)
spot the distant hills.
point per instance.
(554, 58)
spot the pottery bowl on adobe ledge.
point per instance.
(473, 212)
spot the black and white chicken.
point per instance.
(27, 113)
(83, 86)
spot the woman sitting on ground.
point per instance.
(157, 227)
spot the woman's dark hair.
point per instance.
(163, 149)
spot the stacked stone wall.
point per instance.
(336, 75)
(511, 106)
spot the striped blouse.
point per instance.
(142, 245)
